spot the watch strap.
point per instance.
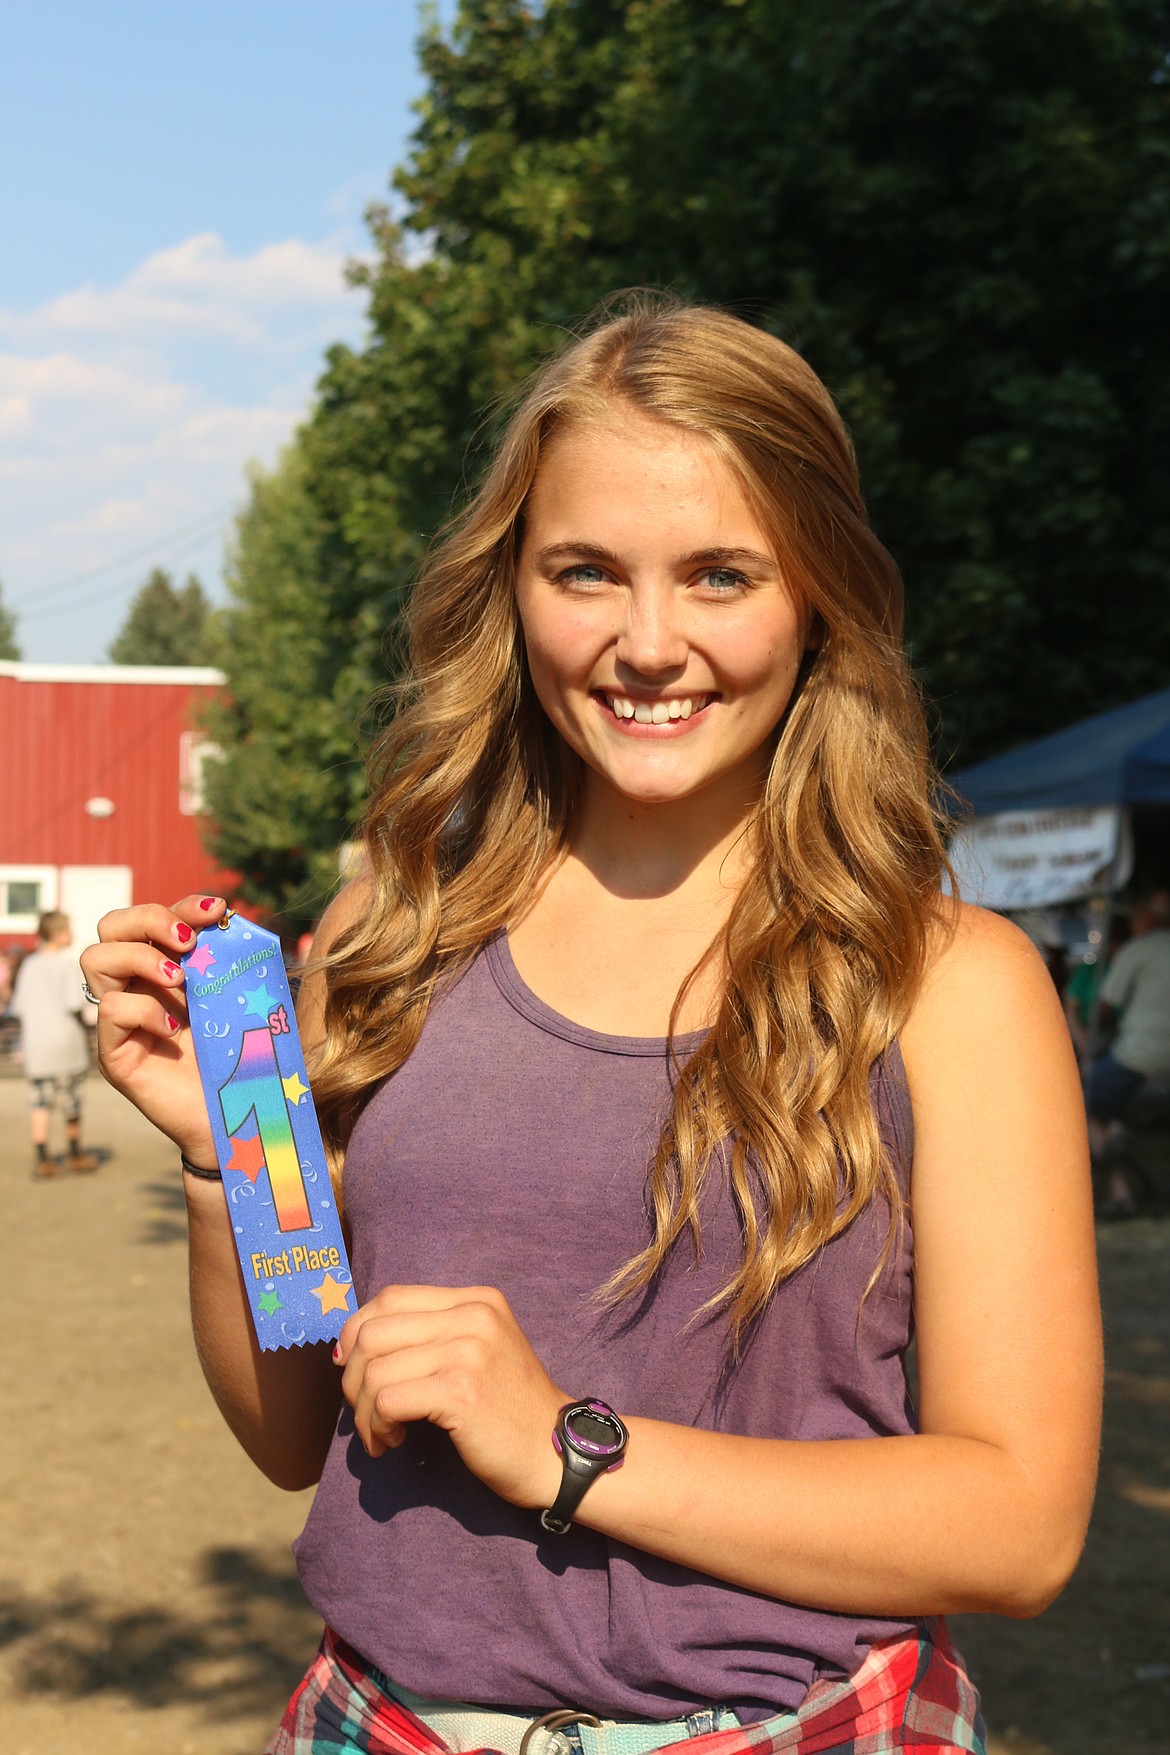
(577, 1473)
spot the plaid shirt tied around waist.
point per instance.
(910, 1693)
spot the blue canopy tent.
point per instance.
(1061, 819)
(1117, 758)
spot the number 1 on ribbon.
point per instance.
(255, 1088)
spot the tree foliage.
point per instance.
(164, 625)
(959, 210)
(9, 650)
(291, 777)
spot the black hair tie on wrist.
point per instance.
(197, 1170)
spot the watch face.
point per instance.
(595, 1433)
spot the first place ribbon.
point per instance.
(267, 1141)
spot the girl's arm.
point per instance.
(282, 1406)
(987, 1507)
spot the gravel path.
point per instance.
(147, 1593)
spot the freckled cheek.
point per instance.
(765, 682)
(759, 671)
(556, 684)
(562, 657)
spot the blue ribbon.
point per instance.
(267, 1139)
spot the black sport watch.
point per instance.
(589, 1439)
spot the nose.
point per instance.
(652, 639)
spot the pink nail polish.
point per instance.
(207, 903)
(337, 1350)
(182, 932)
(171, 970)
(172, 1023)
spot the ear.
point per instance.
(814, 637)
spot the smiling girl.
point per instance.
(673, 1098)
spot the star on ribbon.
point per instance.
(259, 1001)
(247, 1156)
(269, 1303)
(332, 1294)
(200, 959)
(294, 1090)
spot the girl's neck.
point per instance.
(639, 851)
(621, 924)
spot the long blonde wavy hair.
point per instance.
(473, 794)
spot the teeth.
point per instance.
(658, 713)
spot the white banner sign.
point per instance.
(1037, 858)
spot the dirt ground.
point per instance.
(147, 1594)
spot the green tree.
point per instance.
(290, 780)
(959, 210)
(164, 625)
(9, 650)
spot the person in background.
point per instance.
(47, 1001)
(1079, 996)
(8, 968)
(1135, 1001)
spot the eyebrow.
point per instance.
(710, 557)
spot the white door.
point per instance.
(87, 892)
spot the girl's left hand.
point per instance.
(455, 1356)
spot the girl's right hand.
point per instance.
(144, 1042)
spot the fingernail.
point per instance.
(337, 1351)
(182, 932)
(208, 902)
(171, 970)
(172, 1023)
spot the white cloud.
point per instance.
(66, 398)
(128, 414)
(15, 412)
(198, 289)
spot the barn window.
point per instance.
(26, 891)
(194, 754)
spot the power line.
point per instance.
(196, 532)
(107, 591)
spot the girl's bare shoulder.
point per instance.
(982, 976)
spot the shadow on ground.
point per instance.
(237, 1657)
(1093, 1673)
(164, 1209)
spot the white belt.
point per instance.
(464, 1727)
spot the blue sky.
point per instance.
(181, 182)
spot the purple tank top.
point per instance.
(511, 1150)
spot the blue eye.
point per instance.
(723, 579)
(582, 575)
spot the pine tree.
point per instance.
(9, 650)
(165, 626)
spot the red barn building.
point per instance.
(100, 797)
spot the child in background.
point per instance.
(47, 1001)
